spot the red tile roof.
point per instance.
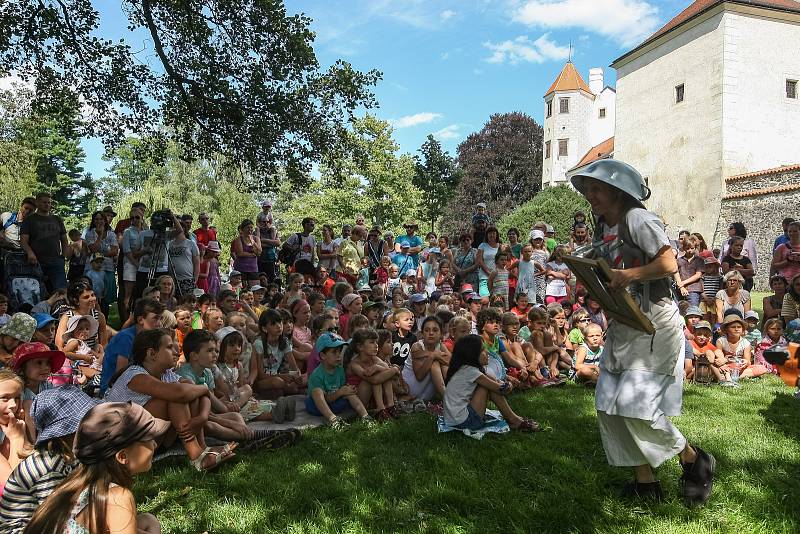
(602, 151)
(774, 170)
(699, 7)
(569, 80)
(765, 191)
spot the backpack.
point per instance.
(702, 371)
(288, 254)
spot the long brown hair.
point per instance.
(51, 517)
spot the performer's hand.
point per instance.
(620, 279)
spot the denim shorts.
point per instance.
(473, 421)
(338, 406)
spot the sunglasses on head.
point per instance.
(333, 329)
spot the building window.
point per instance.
(563, 105)
(563, 146)
(547, 150)
(549, 109)
(602, 113)
(791, 88)
(679, 94)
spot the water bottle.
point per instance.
(735, 375)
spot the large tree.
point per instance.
(374, 182)
(501, 166)
(436, 174)
(236, 77)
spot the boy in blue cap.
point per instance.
(328, 391)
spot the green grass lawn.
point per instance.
(404, 477)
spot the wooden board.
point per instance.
(617, 303)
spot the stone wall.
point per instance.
(760, 201)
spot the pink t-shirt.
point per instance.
(793, 268)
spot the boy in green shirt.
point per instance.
(329, 393)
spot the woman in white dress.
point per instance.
(640, 385)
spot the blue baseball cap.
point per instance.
(43, 319)
(418, 298)
(329, 340)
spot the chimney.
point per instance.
(596, 80)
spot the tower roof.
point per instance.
(569, 80)
(698, 7)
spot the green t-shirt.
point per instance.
(186, 371)
(575, 336)
(327, 382)
(525, 333)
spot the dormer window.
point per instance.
(563, 105)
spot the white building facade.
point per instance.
(711, 95)
(578, 116)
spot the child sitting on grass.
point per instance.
(273, 354)
(185, 406)
(183, 318)
(425, 370)
(89, 362)
(706, 355)
(737, 349)
(230, 388)
(385, 353)
(773, 335)
(542, 341)
(238, 321)
(578, 322)
(523, 358)
(403, 338)
(34, 362)
(588, 354)
(753, 334)
(328, 391)
(469, 389)
(370, 375)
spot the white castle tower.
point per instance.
(578, 124)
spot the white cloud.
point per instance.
(445, 56)
(627, 22)
(447, 14)
(523, 49)
(415, 119)
(448, 132)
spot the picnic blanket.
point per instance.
(495, 424)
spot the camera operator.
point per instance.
(164, 226)
(184, 259)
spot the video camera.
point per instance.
(161, 220)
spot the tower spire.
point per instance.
(569, 59)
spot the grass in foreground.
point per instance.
(404, 477)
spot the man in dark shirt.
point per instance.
(44, 239)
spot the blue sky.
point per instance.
(448, 65)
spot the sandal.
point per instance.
(528, 425)
(276, 439)
(219, 457)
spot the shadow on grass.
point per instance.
(404, 477)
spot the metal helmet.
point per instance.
(615, 173)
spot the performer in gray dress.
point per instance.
(641, 377)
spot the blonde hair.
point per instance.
(168, 319)
(402, 311)
(233, 314)
(9, 374)
(458, 321)
(592, 326)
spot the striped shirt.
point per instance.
(28, 486)
(711, 284)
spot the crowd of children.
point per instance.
(412, 327)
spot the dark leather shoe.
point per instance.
(698, 478)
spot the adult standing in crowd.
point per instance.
(304, 244)
(641, 377)
(186, 222)
(101, 240)
(786, 258)
(245, 251)
(337, 243)
(270, 241)
(130, 244)
(413, 241)
(184, 257)
(149, 240)
(350, 253)
(388, 238)
(327, 251)
(125, 292)
(465, 265)
(10, 223)
(44, 239)
(205, 234)
(375, 248)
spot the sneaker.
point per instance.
(273, 440)
(383, 416)
(280, 410)
(337, 423)
(368, 421)
(697, 480)
(393, 412)
(643, 490)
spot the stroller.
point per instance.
(24, 283)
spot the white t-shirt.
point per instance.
(555, 286)
(489, 254)
(458, 393)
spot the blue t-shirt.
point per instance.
(120, 345)
(413, 241)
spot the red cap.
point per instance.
(32, 351)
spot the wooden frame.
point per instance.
(617, 303)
